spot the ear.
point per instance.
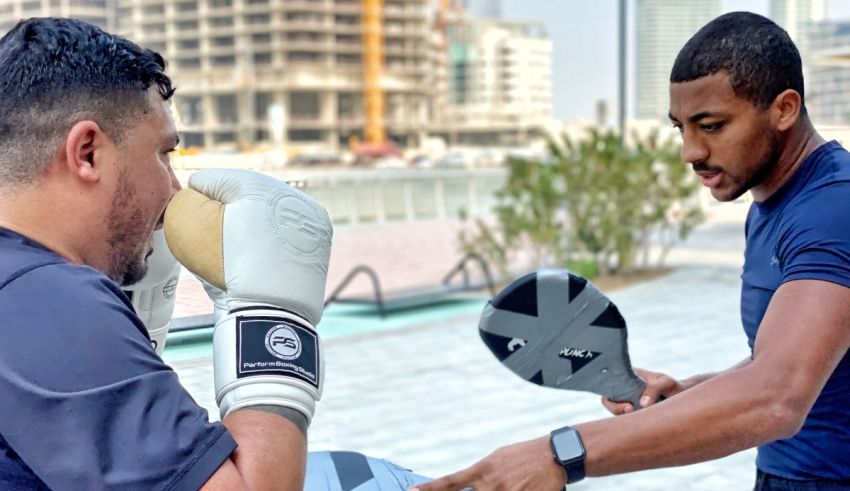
(785, 110)
(85, 150)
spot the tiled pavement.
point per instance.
(432, 398)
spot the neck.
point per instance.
(800, 143)
(41, 213)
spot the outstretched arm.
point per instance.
(751, 404)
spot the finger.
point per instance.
(452, 482)
(617, 408)
(228, 185)
(653, 392)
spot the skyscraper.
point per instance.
(663, 27)
(92, 11)
(500, 71)
(246, 66)
(828, 84)
(483, 9)
(797, 18)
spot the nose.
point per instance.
(693, 148)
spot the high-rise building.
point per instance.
(245, 68)
(828, 80)
(256, 73)
(500, 76)
(95, 12)
(483, 9)
(797, 18)
(663, 27)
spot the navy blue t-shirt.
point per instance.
(803, 232)
(85, 402)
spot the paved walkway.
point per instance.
(432, 398)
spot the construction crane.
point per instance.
(373, 65)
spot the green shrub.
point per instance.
(592, 202)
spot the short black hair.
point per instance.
(55, 72)
(758, 56)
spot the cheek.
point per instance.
(743, 152)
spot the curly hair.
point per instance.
(758, 56)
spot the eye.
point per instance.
(678, 127)
(711, 127)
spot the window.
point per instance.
(30, 6)
(262, 102)
(222, 42)
(189, 140)
(225, 137)
(304, 135)
(304, 17)
(348, 59)
(303, 57)
(304, 105)
(187, 7)
(97, 4)
(188, 62)
(154, 28)
(221, 22)
(191, 110)
(263, 58)
(348, 40)
(225, 108)
(303, 37)
(228, 60)
(158, 47)
(257, 19)
(187, 25)
(154, 10)
(347, 20)
(261, 38)
(188, 44)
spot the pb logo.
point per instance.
(283, 343)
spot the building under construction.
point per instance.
(245, 68)
(325, 74)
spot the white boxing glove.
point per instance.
(154, 296)
(267, 246)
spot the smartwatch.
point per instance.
(568, 451)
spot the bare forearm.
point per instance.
(695, 380)
(272, 450)
(726, 413)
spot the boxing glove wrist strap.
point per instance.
(266, 356)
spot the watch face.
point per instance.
(567, 445)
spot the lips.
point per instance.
(710, 179)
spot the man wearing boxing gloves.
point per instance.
(85, 137)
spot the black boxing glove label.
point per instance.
(276, 346)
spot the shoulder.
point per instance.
(61, 288)
(820, 204)
(79, 320)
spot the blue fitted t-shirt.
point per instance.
(85, 402)
(803, 232)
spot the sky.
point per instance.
(584, 38)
